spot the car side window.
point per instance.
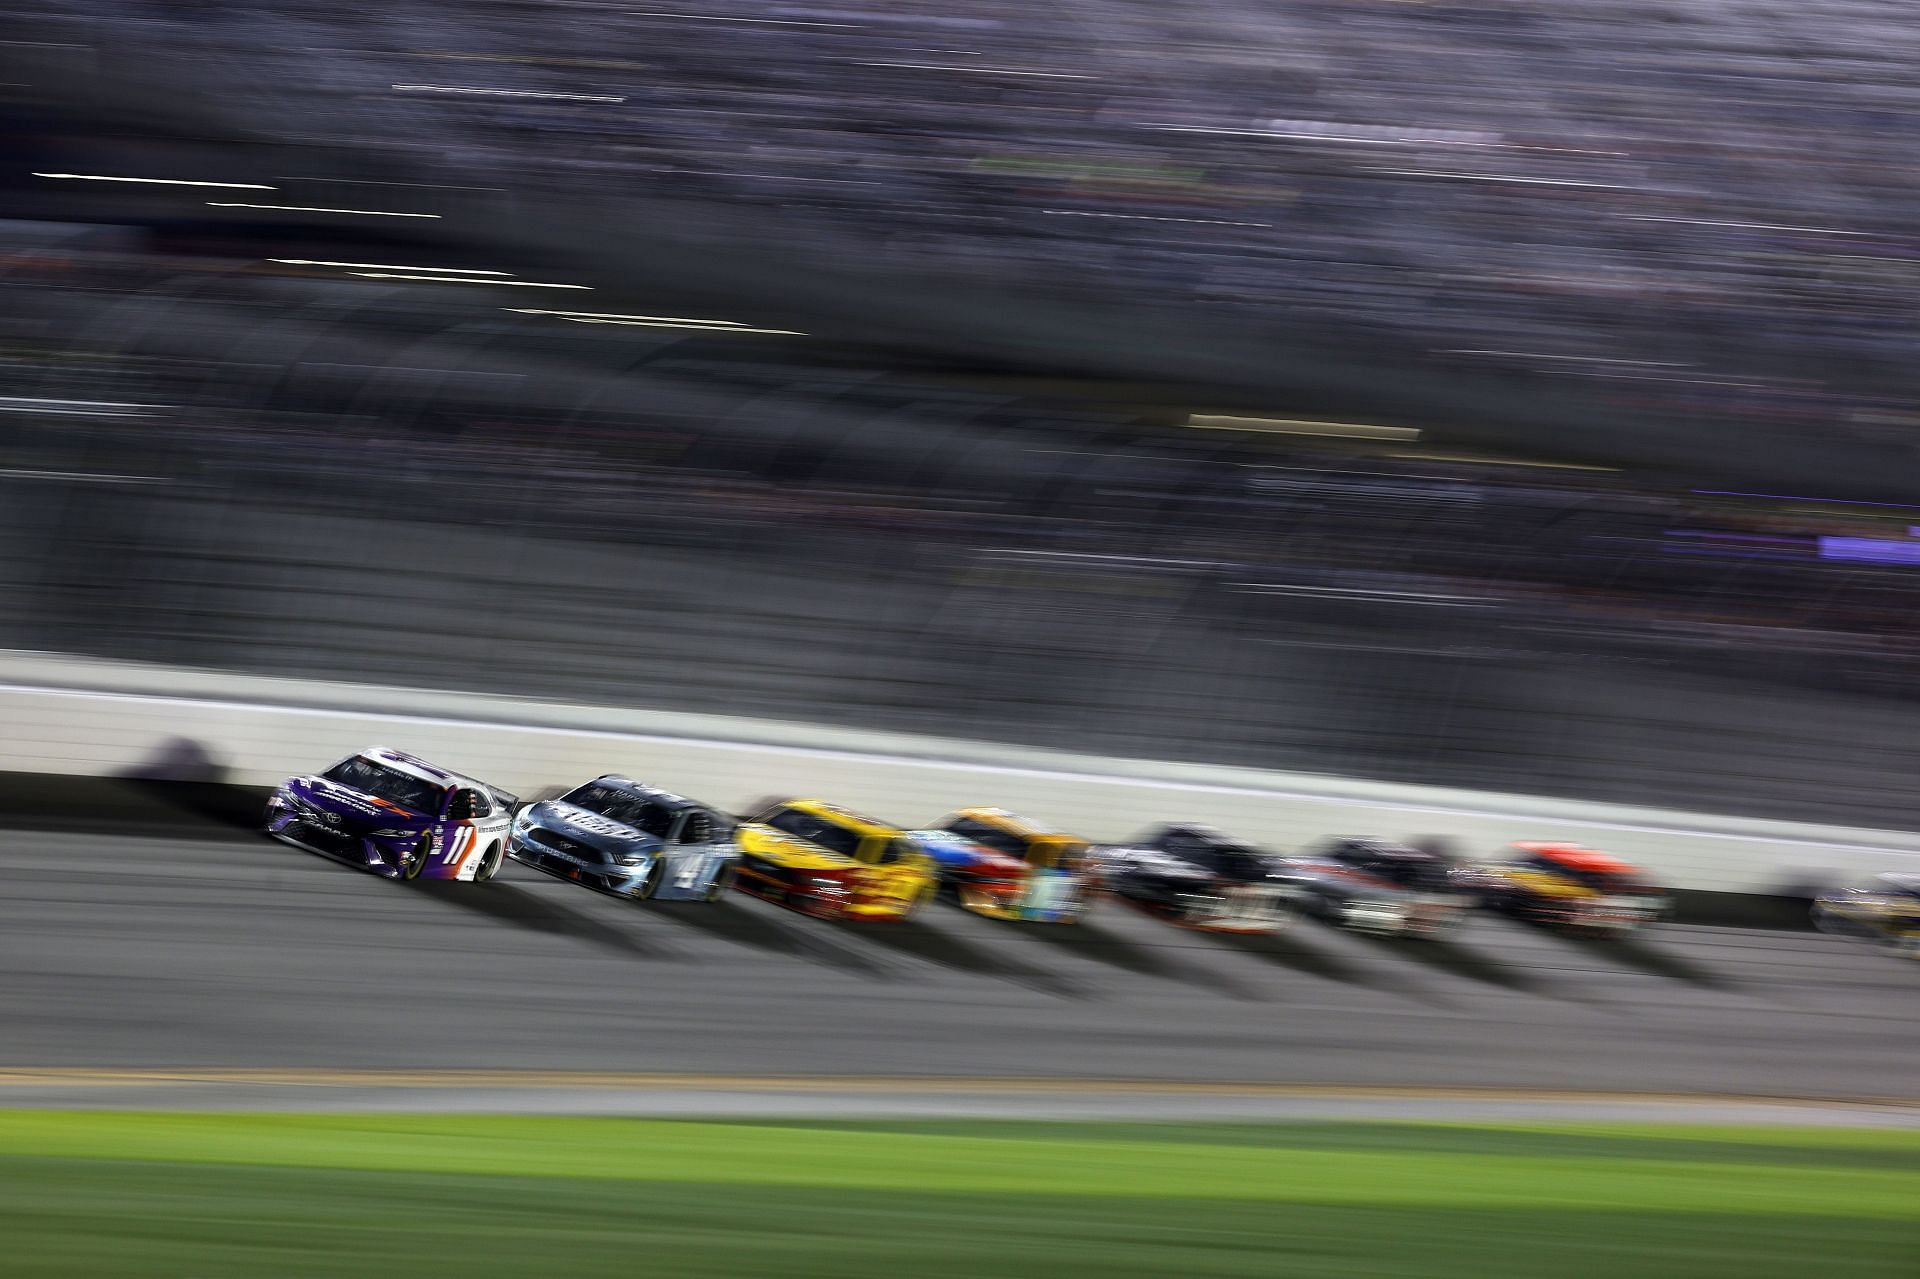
(693, 828)
(468, 804)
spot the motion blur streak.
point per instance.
(388, 266)
(308, 208)
(169, 182)
(1297, 426)
(441, 279)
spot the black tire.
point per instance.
(722, 881)
(656, 875)
(489, 864)
(416, 860)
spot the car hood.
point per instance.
(356, 806)
(588, 827)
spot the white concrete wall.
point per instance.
(89, 718)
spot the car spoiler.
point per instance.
(508, 801)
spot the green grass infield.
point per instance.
(208, 1196)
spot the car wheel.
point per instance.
(721, 882)
(416, 858)
(656, 875)
(489, 865)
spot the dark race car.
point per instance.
(1886, 910)
(1374, 886)
(399, 816)
(1197, 877)
(620, 837)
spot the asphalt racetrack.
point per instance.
(212, 952)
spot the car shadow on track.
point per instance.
(512, 904)
(914, 938)
(1287, 951)
(1089, 941)
(1451, 957)
(1638, 953)
(742, 925)
(197, 810)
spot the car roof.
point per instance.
(843, 816)
(414, 766)
(1387, 848)
(1013, 823)
(1574, 857)
(653, 794)
(1198, 830)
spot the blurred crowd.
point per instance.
(1641, 191)
(1077, 497)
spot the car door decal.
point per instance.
(459, 846)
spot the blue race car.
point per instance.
(396, 815)
(620, 837)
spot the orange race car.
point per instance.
(1566, 886)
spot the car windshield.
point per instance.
(390, 784)
(816, 830)
(1405, 868)
(986, 836)
(625, 807)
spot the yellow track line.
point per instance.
(43, 1076)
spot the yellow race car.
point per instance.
(831, 862)
(1006, 867)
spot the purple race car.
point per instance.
(388, 812)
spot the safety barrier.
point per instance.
(85, 718)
